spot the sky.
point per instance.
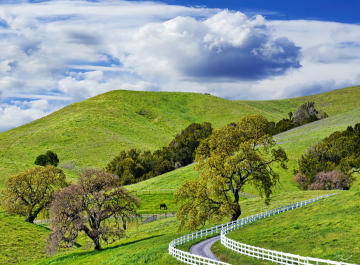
(54, 53)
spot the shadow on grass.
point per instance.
(95, 252)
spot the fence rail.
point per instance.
(256, 252)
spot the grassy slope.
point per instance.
(90, 133)
(19, 240)
(148, 244)
(328, 229)
(295, 142)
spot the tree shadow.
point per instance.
(95, 252)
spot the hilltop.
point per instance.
(90, 133)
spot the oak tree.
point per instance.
(31, 191)
(232, 157)
(96, 205)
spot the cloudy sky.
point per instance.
(53, 53)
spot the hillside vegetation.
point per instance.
(294, 141)
(92, 132)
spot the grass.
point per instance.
(148, 243)
(20, 241)
(170, 180)
(92, 132)
(327, 229)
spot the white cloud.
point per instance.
(17, 113)
(228, 45)
(62, 51)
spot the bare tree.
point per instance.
(95, 205)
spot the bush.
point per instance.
(340, 152)
(49, 158)
(333, 180)
(302, 180)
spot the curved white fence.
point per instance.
(256, 252)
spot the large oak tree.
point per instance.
(31, 191)
(96, 205)
(233, 156)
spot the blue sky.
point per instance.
(345, 11)
(54, 53)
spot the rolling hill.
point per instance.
(148, 243)
(90, 133)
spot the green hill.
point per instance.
(90, 133)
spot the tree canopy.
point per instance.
(340, 151)
(233, 156)
(133, 165)
(49, 158)
(96, 205)
(31, 191)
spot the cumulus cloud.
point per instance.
(228, 45)
(58, 52)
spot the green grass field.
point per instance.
(92, 132)
(328, 229)
(148, 243)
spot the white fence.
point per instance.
(256, 252)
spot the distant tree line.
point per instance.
(330, 164)
(134, 165)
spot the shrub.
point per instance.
(332, 180)
(49, 158)
(302, 180)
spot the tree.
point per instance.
(96, 205)
(339, 152)
(307, 113)
(184, 145)
(230, 158)
(31, 191)
(49, 158)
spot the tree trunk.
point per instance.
(123, 222)
(236, 214)
(97, 243)
(237, 209)
(30, 218)
(32, 215)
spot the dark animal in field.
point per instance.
(163, 206)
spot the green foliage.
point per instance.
(231, 157)
(31, 191)
(133, 166)
(185, 143)
(339, 151)
(49, 158)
